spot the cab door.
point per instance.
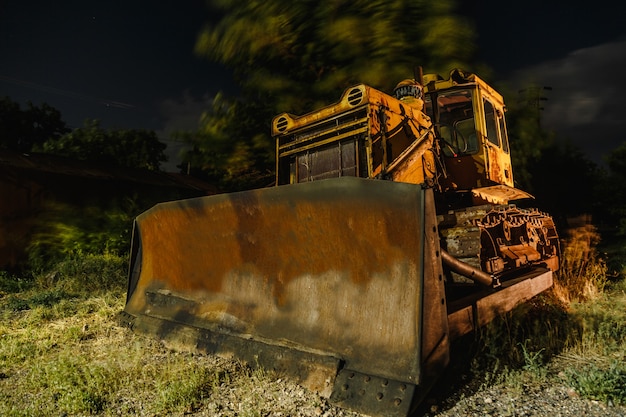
(496, 146)
(458, 125)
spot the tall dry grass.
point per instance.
(583, 272)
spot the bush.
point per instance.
(63, 230)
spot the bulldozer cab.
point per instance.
(468, 118)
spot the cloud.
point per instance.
(585, 104)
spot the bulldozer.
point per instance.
(393, 228)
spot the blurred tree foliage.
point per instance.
(614, 190)
(292, 57)
(95, 227)
(230, 149)
(133, 148)
(22, 129)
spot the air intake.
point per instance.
(355, 96)
(281, 124)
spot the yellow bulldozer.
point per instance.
(394, 227)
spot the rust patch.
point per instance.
(194, 243)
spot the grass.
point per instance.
(62, 352)
(596, 366)
(575, 334)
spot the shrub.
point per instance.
(63, 229)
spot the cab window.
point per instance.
(456, 122)
(492, 123)
(503, 132)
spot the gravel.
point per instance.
(251, 394)
(243, 392)
(544, 400)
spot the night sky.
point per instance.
(130, 64)
(577, 49)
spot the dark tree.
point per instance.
(613, 195)
(23, 130)
(124, 147)
(528, 139)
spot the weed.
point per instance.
(533, 361)
(74, 384)
(10, 283)
(64, 228)
(606, 384)
(603, 325)
(523, 336)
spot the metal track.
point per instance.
(500, 239)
